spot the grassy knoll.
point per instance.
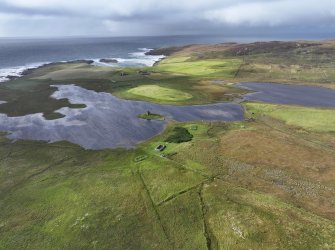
(319, 120)
(160, 93)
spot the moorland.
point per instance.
(265, 182)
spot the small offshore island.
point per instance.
(239, 152)
(151, 116)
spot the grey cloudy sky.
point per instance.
(165, 17)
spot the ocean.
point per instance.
(16, 55)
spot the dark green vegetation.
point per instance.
(265, 183)
(151, 116)
(179, 135)
(28, 97)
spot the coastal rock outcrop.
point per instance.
(108, 60)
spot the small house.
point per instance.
(160, 148)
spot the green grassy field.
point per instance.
(80, 199)
(319, 120)
(160, 93)
(210, 68)
(263, 183)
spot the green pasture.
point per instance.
(313, 119)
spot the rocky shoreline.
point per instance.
(108, 60)
(29, 71)
(167, 51)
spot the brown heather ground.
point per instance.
(261, 158)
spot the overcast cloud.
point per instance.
(159, 17)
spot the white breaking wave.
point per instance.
(138, 58)
(7, 73)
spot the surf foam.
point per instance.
(138, 58)
(8, 73)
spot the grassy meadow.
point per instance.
(62, 196)
(205, 68)
(312, 119)
(267, 182)
(159, 93)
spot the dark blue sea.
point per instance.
(19, 54)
